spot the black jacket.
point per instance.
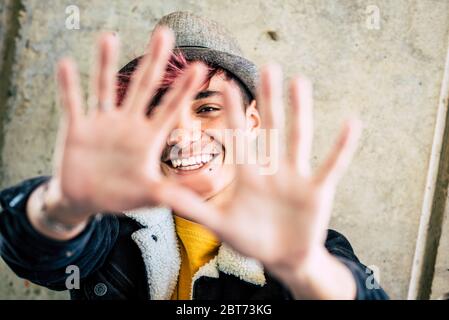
(136, 256)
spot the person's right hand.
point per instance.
(108, 160)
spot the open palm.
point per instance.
(279, 218)
(109, 158)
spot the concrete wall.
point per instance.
(391, 76)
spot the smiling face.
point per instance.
(196, 150)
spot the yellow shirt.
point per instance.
(198, 245)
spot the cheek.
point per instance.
(219, 129)
(214, 123)
(216, 128)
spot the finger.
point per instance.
(272, 115)
(70, 91)
(234, 109)
(301, 131)
(189, 205)
(149, 72)
(178, 97)
(270, 97)
(236, 137)
(341, 155)
(105, 74)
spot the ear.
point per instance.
(253, 121)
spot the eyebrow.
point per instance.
(206, 94)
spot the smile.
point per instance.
(191, 163)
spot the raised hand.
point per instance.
(109, 158)
(281, 219)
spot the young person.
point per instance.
(149, 199)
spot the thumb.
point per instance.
(189, 205)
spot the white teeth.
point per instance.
(175, 163)
(191, 161)
(206, 157)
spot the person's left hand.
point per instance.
(280, 219)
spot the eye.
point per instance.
(207, 108)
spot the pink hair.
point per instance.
(177, 63)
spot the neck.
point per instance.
(223, 197)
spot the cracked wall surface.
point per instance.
(390, 76)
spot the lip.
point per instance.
(191, 171)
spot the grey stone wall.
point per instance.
(391, 76)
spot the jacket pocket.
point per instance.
(109, 283)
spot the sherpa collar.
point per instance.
(158, 243)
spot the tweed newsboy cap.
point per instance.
(205, 40)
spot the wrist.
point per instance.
(52, 215)
(320, 275)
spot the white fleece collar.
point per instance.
(160, 252)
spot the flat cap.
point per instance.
(206, 40)
(201, 39)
